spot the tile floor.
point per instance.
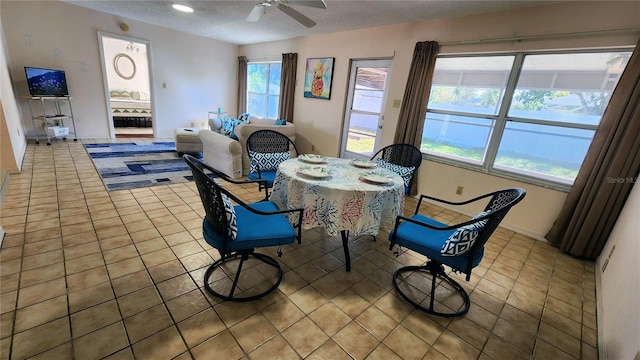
(87, 273)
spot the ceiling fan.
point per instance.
(285, 7)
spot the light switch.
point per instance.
(396, 103)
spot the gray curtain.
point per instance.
(287, 85)
(416, 95)
(607, 174)
(242, 85)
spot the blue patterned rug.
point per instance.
(132, 165)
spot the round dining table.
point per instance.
(340, 195)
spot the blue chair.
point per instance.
(266, 150)
(459, 246)
(403, 159)
(237, 230)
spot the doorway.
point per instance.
(364, 116)
(126, 73)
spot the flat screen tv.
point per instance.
(46, 82)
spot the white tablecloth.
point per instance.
(341, 201)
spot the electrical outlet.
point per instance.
(396, 103)
(459, 190)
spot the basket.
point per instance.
(57, 131)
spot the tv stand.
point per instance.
(54, 116)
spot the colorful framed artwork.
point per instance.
(318, 77)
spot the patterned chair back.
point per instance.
(211, 195)
(269, 141)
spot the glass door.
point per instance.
(365, 108)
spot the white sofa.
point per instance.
(221, 153)
(230, 156)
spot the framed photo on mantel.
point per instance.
(318, 77)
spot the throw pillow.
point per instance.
(267, 161)
(227, 126)
(281, 122)
(404, 171)
(464, 237)
(230, 212)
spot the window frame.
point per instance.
(501, 119)
(265, 94)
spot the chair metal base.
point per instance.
(436, 271)
(244, 256)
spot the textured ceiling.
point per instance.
(225, 20)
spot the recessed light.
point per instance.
(183, 8)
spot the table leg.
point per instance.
(345, 246)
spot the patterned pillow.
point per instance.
(231, 215)
(227, 126)
(404, 171)
(464, 237)
(267, 161)
(280, 122)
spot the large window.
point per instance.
(532, 116)
(263, 88)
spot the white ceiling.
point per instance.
(225, 20)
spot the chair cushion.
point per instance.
(464, 237)
(406, 172)
(266, 175)
(231, 217)
(254, 230)
(231, 214)
(267, 161)
(428, 242)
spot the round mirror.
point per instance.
(125, 67)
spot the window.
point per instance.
(531, 116)
(263, 88)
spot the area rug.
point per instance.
(133, 165)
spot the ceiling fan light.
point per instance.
(183, 8)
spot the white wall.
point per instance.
(618, 287)
(199, 73)
(319, 122)
(14, 141)
(140, 80)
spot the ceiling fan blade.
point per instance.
(296, 15)
(255, 13)
(320, 4)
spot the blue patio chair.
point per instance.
(236, 231)
(459, 246)
(266, 150)
(403, 159)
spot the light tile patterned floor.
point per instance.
(87, 273)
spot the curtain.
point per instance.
(287, 85)
(607, 174)
(416, 95)
(242, 85)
